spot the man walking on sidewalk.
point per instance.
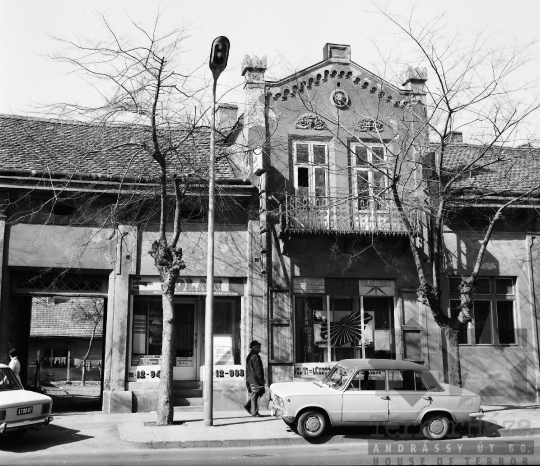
(254, 378)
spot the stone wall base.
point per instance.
(117, 402)
(144, 401)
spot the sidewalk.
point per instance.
(238, 429)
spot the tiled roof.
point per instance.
(502, 170)
(71, 147)
(61, 317)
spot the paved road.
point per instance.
(57, 447)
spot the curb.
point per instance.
(287, 441)
(241, 442)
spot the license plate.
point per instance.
(26, 410)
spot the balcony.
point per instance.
(343, 215)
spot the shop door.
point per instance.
(186, 340)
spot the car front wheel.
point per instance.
(311, 424)
(436, 426)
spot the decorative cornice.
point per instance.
(386, 92)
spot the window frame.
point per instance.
(371, 170)
(493, 298)
(312, 166)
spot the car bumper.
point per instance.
(7, 427)
(276, 411)
(478, 415)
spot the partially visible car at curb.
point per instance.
(374, 392)
(21, 409)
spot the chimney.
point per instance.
(455, 137)
(337, 52)
(226, 116)
(416, 79)
(253, 69)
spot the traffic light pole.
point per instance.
(219, 55)
(208, 384)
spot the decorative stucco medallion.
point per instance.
(340, 98)
(311, 121)
(370, 125)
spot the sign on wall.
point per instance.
(223, 354)
(308, 285)
(377, 287)
(312, 370)
(339, 286)
(184, 285)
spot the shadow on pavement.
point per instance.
(42, 439)
(388, 433)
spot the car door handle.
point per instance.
(428, 398)
(385, 397)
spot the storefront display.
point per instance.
(189, 306)
(356, 314)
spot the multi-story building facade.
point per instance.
(334, 249)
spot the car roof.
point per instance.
(382, 364)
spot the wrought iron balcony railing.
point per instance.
(314, 214)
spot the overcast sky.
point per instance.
(290, 33)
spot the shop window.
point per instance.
(493, 312)
(147, 332)
(147, 325)
(227, 331)
(310, 316)
(349, 336)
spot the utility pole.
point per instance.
(219, 54)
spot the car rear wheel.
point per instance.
(311, 424)
(436, 426)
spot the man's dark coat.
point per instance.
(254, 370)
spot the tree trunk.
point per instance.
(450, 327)
(83, 375)
(451, 335)
(168, 260)
(165, 409)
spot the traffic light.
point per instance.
(219, 53)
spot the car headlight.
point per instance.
(279, 402)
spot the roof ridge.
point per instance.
(61, 121)
(498, 146)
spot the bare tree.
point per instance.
(90, 312)
(475, 87)
(154, 113)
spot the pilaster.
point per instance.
(118, 322)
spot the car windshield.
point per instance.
(8, 380)
(337, 377)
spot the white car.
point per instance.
(20, 408)
(374, 392)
